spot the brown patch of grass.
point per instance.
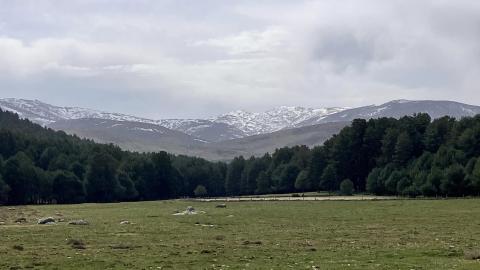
(123, 246)
(76, 244)
(18, 247)
(256, 242)
(220, 237)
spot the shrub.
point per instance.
(346, 187)
(200, 191)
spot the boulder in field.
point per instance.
(189, 211)
(46, 221)
(78, 222)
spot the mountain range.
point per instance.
(225, 136)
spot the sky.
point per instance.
(189, 59)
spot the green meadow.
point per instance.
(393, 234)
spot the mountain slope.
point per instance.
(226, 136)
(258, 145)
(135, 136)
(145, 137)
(46, 114)
(232, 125)
(399, 108)
(272, 120)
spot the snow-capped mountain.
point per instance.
(397, 109)
(232, 125)
(273, 120)
(45, 114)
(225, 136)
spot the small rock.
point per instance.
(124, 222)
(222, 205)
(47, 220)
(78, 222)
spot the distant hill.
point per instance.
(397, 109)
(228, 135)
(134, 136)
(144, 137)
(232, 125)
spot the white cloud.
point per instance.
(215, 56)
(251, 42)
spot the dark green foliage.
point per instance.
(263, 184)
(20, 175)
(127, 191)
(329, 178)
(253, 167)
(235, 169)
(158, 186)
(67, 188)
(410, 156)
(302, 182)
(474, 178)
(78, 169)
(287, 177)
(102, 182)
(346, 187)
(454, 183)
(4, 190)
(200, 191)
(403, 149)
(374, 183)
(317, 164)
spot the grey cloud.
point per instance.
(199, 58)
(344, 50)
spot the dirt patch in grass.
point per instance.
(220, 237)
(124, 246)
(76, 244)
(18, 247)
(256, 242)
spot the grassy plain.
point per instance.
(394, 234)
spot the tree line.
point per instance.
(410, 156)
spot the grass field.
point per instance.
(401, 234)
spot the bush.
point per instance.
(200, 191)
(346, 187)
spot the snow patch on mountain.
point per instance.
(272, 120)
(238, 123)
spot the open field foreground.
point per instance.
(399, 234)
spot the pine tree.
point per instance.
(234, 176)
(302, 183)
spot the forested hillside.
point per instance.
(411, 156)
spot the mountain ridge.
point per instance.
(231, 125)
(223, 139)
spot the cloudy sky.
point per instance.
(177, 58)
